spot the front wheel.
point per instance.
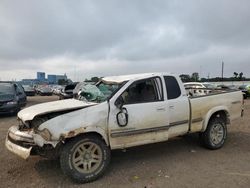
(215, 135)
(84, 159)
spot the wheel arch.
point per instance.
(95, 131)
(216, 112)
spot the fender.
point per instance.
(85, 130)
(211, 112)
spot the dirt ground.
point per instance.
(180, 162)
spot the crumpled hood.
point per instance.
(55, 106)
(91, 119)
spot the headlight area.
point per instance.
(12, 103)
(45, 134)
(45, 147)
(27, 139)
(41, 137)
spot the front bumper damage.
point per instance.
(19, 142)
(26, 143)
(18, 150)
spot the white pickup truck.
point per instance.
(117, 113)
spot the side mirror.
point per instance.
(122, 118)
(119, 102)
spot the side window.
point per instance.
(19, 89)
(143, 91)
(172, 86)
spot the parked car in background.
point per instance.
(29, 91)
(246, 90)
(57, 89)
(45, 91)
(67, 92)
(78, 89)
(209, 85)
(222, 86)
(12, 97)
(195, 88)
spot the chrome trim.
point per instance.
(236, 102)
(139, 131)
(178, 123)
(197, 120)
(147, 130)
(17, 135)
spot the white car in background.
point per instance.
(195, 89)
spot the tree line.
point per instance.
(194, 77)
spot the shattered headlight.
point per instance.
(45, 134)
(38, 121)
(23, 125)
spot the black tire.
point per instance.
(71, 152)
(215, 135)
(245, 96)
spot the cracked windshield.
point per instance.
(97, 93)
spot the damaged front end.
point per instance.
(19, 143)
(25, 139)
(44, 128)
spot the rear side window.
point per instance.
(19, 89)
(172, 86)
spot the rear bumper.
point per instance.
(19, 143)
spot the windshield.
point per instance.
(6, 88)
(27, 87)
(98, 93)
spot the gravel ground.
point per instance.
(180, 162)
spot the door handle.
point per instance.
(161, 109)
(171, 106)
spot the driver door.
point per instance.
(145, 113)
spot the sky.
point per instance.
(85, 38)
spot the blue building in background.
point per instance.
(40, 76)
(52, 78)
(61, 77)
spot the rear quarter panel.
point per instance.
(203, 107)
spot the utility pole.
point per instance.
(200, 71)
(222, 71)
(75, 73)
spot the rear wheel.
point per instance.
(84, 159)
(215, 135)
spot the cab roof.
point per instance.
(123, 78)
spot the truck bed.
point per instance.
(203, 106)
